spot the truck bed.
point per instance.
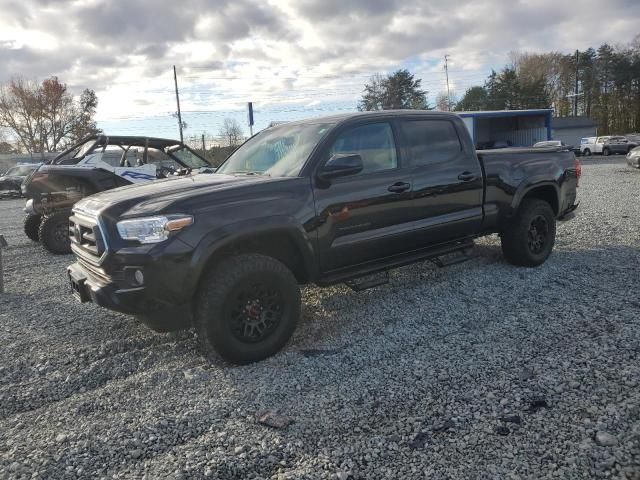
(510, 172)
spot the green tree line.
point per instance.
(607, 80)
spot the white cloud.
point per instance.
(281, 51)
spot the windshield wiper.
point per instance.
(247, 172)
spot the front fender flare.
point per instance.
(227, 235)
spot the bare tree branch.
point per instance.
(46, 117)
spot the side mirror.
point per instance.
(341, 165)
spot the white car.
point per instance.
(592, 145)
(550, 143)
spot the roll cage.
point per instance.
(99, 143)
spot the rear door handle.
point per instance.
(399, 187)
(466, 176)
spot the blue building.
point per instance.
(518, 128)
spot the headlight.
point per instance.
(152, 229)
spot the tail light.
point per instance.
(578, 167)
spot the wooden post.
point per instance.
(3, 244)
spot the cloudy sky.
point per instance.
(292, 58)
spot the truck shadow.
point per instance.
(334, 316)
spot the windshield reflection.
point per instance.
(278, 152)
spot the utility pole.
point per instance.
(204, 150)
(175, 79)
(250, 117)
(446, 72)
(575, 99)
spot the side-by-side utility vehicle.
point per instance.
(327, 200)
(95, 164)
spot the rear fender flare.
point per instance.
(528, 186)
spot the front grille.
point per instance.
(114, 277)
(86, 237)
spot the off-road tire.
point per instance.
(31, 226)
(587, 152)
(220, 302)
(54, 232)
(516, 235)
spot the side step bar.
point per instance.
(370, 281)
(370, 269)
(453, 258)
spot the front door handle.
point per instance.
(466, 176)
(399, 187)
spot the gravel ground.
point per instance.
(479, 370)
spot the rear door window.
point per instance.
(430, 141)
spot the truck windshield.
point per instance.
(278, 152)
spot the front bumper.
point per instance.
(30, 208)
(139, 301)
(633, 161)
(87, 287)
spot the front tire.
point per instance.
(587, 152)
(32, 225)
(247, 308)
(528, 239)
(54, 232)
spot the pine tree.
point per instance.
(399, 90)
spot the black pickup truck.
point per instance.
(327, 200)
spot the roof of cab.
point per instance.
(343, 117)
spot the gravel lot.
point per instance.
(479, 370)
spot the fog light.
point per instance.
(139, 277)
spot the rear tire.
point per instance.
(54, 232)
(32, 225)
(528, 239)
(247, 308)
(605, 152)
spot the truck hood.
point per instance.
(156, 196)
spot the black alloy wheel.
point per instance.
(246, 308)
(255, 312)
(528, 238)
(537, 234)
